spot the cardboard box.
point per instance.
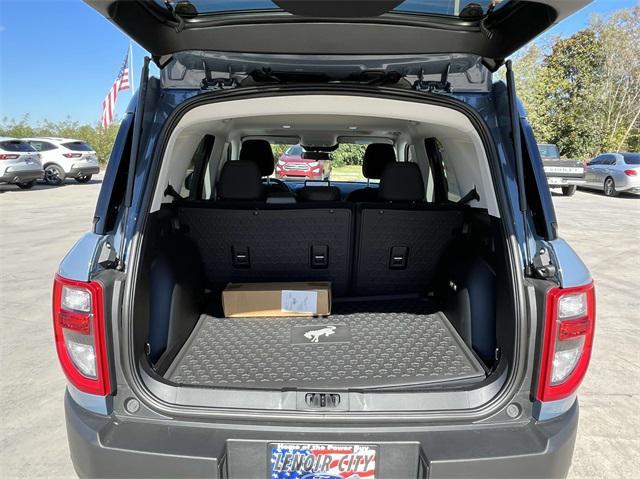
(243, 300)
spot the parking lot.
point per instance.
(38, 226)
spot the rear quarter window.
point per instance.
(16, 145)
(42, 145)
(77, 146)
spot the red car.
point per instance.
(296, 162)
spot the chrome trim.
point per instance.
(544, 411)
(79, 261)
(572, 271)
(96, 404)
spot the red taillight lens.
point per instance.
(72, 155)
(9, 157)
(568, 339)
(631, 172)
(80, 336)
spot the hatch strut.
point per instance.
(133, 156)
(517, 149)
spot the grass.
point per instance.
(347, 173)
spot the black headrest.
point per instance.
(319, 193)
(401, 182)
(240, 180)
(376, 157)
(260, 153)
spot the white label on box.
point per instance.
(299, 301)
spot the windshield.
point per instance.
(16, 145)
(549, 152)
(429, 7)
(295, 150)
(631, 158)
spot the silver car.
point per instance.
(19, 163)
(614, 173)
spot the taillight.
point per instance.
(72, 155)
(568, 339)
(631, 172)
(9, 157)
(79, 329)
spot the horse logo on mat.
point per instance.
(314, 335)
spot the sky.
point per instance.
(58, 58)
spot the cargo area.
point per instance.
(375, 344)
(414, 253)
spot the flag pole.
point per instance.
(132, 72)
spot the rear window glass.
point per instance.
(16, 145)
(77, 146)
(631, 158)
(342, 164)
(432, 7)
(549, 152)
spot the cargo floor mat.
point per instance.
(372, 344)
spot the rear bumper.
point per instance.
(83, 171)
(104, 446)
(299, 175)
(21, 176)
(559, 181)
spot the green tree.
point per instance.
(619, 99)
(583, 92)
(564, 100)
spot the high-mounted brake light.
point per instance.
(631, 172)
(79, 330)
(72, 155)
(568, 339)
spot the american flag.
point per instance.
(121, 83)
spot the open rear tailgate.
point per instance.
(401, 28)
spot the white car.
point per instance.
(19, 163)
(65, 158)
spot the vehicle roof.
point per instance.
(53, 139)
(7, 138)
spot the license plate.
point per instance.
(322, 461)
(555, 181)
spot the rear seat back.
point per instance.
(401, 240)
(394, 247)
(272, 243)
(251, 240)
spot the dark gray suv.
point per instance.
(461, 325)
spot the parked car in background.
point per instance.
(65, 158)
(296, 162)
(19, 163)
(560, 173)
(614, 173)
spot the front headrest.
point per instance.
(260, 153)
(240, 180)
(376, 157)
(401, 182)
(319, 193)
